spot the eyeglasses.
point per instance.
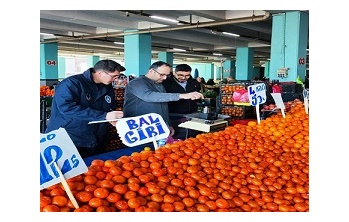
(113, 77)
(183, 76)
(162, 74)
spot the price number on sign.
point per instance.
(257, 94)
(53, 150)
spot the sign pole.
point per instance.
(66, 187)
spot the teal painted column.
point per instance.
(137, 52)
(61, 68)
(229, 68)
(49, 62)
(266, 69)
(92, 60)
(244, 63)
(166, 57)
(289, 45)
(209, 72)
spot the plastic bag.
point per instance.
(240, 95)
(276, 88)
(170, 140)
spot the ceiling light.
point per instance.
(49, 34)
(163, 18)
(119, 43)
(232, 34)
(180, 50)
(217, 54)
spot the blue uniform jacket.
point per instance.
(77, 101)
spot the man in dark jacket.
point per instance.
(86, 97)
(146, 94)
(181, 81)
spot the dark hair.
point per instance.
(183, 67)
(108, 65)
(158, 64)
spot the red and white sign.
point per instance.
(301, 61)
(51, 62)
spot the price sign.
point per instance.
(138, 130)
(279, 102)
(56, 148)
(306, 93)
(257, 94)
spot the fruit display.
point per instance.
(46, 91)
(243, 168)
(119, 97)
(288, 105)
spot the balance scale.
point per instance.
(205, 125)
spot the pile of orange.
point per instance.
(253, 167)
(46, 91)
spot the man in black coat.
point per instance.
(181, 81)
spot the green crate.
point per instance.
(48, 100)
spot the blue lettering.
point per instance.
(49, 137)
(142, 121)
(151, 131)
(251, 91)
(44, 174)
(141, 134)
(153, 121)
(53, 168)
(75, 161)
(132, 124)
(48, 153)
(129, 139)
(66, 167)
(160, 129)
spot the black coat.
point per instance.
(183, 105)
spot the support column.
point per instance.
(61, 68)
(91, 61)
(166, 57)
(266, 69)
(137, 52)
(48, 63)
(229, 68)
(244, 63)
(289, 45)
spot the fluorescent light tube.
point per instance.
(163, 18)
(42, 33)
(232, 34)
(181, 50)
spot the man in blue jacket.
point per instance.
(86, 97)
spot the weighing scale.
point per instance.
(205, 122)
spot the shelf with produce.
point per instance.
(233, 100)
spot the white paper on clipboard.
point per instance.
(103, 121)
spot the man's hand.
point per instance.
(192, 96)
(114, 115)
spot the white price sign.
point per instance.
(57, 149)
(138, 130)
(257, 94)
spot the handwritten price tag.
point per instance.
(257, 94)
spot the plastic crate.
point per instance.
(286, 97)
(291, 87)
